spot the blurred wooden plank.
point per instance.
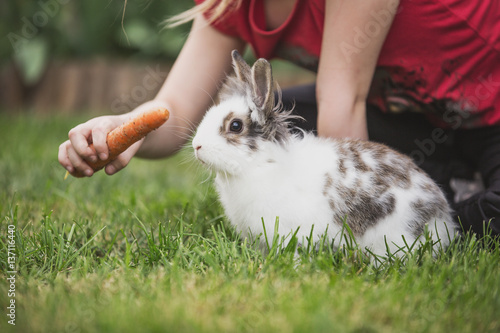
(11, 89)
(98, 85)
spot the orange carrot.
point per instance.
(122, 137)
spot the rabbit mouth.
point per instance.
(215, 160)
(226, 167)
(199, 158)
(205, 161)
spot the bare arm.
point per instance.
(352, 39)
(190, 87)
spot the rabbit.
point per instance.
(265, 170)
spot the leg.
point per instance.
(482, 147)
(303, 100)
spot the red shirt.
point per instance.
(441, 57)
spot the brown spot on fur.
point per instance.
(225, 123)
(328, 184)
(364, 210)
(381, 184)
(423, 214)
(252, 131)
(343, 152)
(332, 205)
(429, 187)
(326, 191)
(359, 164)
(370, 210)
(395, 174)
(252, 144)
(342, 168)
(345, 193)
(379, 151)
(435, 207)
(231, 138)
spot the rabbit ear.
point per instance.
(241, 68)
(263, 84)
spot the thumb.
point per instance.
(123, 159)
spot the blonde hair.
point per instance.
(216, 10)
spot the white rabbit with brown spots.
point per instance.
(265, 171)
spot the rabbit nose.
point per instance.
(198, 147)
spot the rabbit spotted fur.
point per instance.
(264, 172)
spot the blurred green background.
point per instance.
(40, 38)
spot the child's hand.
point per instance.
(75, 152)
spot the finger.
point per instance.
(80, 136)
(122, 160)
(116, 165)
(78, 163)
(62, 156)
(99, 138)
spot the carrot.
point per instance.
(122, 137)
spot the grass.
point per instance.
(148, 250)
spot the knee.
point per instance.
(490, 200)
(480, 213)
(489, 204)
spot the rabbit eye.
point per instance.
(236, 126)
